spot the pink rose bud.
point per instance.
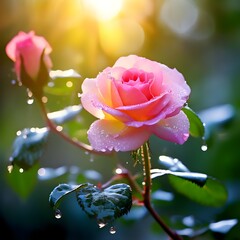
(133, 100)
(30, 54)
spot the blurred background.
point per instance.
(199, 38)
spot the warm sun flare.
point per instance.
(104, 9)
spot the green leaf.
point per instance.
(212, 193)
(217, 117)
(196, 186)
(196, 125)
(223, 226)
(62, 82)
(62, 116)
(105, 205)
(172, 164)
(28, 147)
(23, 182)
(196, 178)
(61, 191)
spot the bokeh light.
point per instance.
(103, 9)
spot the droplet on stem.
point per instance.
(10, 168)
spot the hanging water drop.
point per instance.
(21, 170)
(58, 214)
(101, 224)
(91, 158)
(112, 230)
(30, 101)
(204, 147)
(10, 168)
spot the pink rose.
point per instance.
(27, 49)
(134, 99)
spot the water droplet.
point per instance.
(101, 224)
(86, 152)
(21, 170)
(18, 133)
(44, 99)
(112, 230)
(10, 168)
(30, 101)
(58, 214)
(69, 84)
(59, 128)
(51, 84)
(13, 82)
(118, 171)
(91, 158)
(204, 147)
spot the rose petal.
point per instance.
(107, 135)
(105, 82)
(148, 110)
(173, 129)
(89, 98)
(130, 95)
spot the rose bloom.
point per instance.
(27, 49)
(134, 99)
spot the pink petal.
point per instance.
(130, 95)
(148, 110)
(173, 129)
(109, 135)
(89, 97)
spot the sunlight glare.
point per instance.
(104, 9)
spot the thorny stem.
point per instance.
(146, 159)
(76, 143)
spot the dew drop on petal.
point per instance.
(58, 214)
(112, 230)
(118, 171)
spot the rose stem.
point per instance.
(146, 159)
(53, 127)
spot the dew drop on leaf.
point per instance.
(112, 230)
(58, 214)
(101, 224)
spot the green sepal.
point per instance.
(196, 125)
